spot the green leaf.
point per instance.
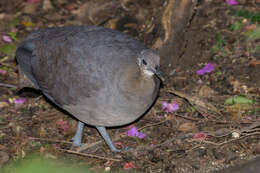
(238, 100)
(252, 16)
(253, 35)
(256, 49)
(236, 26)
(8, 49)
(12, 35)
(14, 22)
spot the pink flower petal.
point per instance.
(134, 132)
(170, 107)
(120, 144)
(62, 125)
(3, 72)
(208, 68)
(141, 135)
(6, 38)
(201, 136)
(19, 101)
(164, 105)
(129, 165)
(232, 2)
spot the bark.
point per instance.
(175, 21)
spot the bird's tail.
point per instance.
(24, 55)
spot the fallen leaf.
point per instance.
(3, 104)
(232, 2)
(3, 72)
(237, 111)
(12, 35)
(238, 100)
(250, 27)
(170, 107)
(206, 92)
(134, 132)
(129, 166)
(254, 62)
(27, 23)
(42, 149)
(42, 131)
(186, 127)
(207, 69)
(4, 157)
(8, 49)
(120, 144)
(7, 38)
(20, 101)
(62, 125)
(201, 136)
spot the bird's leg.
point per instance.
(103, 132)
(78, 136)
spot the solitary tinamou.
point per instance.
(101, 76)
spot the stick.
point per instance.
(89, 155)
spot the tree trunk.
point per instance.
(175, 21)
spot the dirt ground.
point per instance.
(194, 139)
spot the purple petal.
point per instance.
(6, 38)
(132, 131)
(140, 135)
(173, 107)
(200, 72)
(170, 107)
(164, 105)
(3, 72)
(232, 2)
(19, 101)
(208, 68)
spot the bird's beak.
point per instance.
(158, 73)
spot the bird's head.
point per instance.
(149, 63)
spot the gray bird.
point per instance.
(101, 76)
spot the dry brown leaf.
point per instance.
(112, 23)
(187, 127)
(4, 157)
(31, 8)
(236, 111)
(254, 62)
(47, 5)
(3, 104)
(42, 132)
(206, 92)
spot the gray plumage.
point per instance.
(100, 76)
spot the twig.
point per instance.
(188, 118)
(89, 155)
(86, 146)
(183, 136)
(201, 106)
(155, 124)
(50, 140)
(226, 142)
(8, 85)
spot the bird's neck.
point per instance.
(137, 82)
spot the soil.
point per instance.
(193, 139)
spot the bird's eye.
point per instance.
(144, 62)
